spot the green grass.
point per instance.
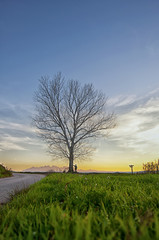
(65, 206)
(4, 172)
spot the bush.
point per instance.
(4, 172)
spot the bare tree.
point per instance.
(68, 115)
(151, 167)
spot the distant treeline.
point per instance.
(151, 167)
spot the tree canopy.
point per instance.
(68, 115)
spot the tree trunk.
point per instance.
(71, 158)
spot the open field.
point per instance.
(80, 206)
(4, 172)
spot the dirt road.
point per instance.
(16, 183)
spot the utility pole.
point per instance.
(131, 166)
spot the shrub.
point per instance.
(5, 172)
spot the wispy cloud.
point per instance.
(16, 126)
(138, 126)
(121, 100)
(10, 143)
(16, 132)
(20, 142)
(15, 112)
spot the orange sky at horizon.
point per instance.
(84, 165)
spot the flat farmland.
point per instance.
(81, 206)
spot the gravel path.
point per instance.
(16, 183)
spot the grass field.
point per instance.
(4, 172)
(79, 206)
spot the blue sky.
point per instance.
(112, 44)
